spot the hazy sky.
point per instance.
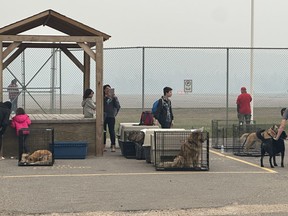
(167, 22)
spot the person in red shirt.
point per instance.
(243, 106)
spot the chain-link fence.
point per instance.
(51, 83)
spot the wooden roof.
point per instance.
(54, 20)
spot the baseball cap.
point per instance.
(243, 88)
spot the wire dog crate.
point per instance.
(222, 133)
(181, 150)
(240, 140)
(36, 147)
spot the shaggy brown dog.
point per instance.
(39, 156)
(190, 152)
(249, 139)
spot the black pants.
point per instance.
(110, 121)
(23, 147)
(0, 143)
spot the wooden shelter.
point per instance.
(77, 35)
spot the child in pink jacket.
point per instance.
(19, 121)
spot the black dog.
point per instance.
(273, 147)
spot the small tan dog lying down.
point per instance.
(37, 157)
(249, 139)
(190, 152)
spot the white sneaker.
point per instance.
(113, 149)
(2, 158)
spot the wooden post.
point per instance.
(1, 71)
(86, 71)
(99, 96)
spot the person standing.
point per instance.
(88, 104)
(243, 107)
(5, 111)
(19, 121)
(13, 92)
(164, 115)
(284, 114)
(111, 109)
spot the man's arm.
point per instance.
(281, 128)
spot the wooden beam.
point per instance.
(10, 48)
(99, 98)
(88, 50)
(14, 55)
(73, 58)
(47, 45)
(19, 24)
(49, 38)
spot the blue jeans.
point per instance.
(110, 121)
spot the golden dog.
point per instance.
(190, 152)
(39, 156)
(249, 139)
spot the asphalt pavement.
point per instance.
(114, 185)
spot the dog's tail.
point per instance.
(243, 139)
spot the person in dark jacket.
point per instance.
(111, 109)
(5, 111)
(164, 114)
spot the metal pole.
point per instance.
(227, 87)
(52, 81)
(252, 60)
(143, 76)
(60, 79)
(23, 79)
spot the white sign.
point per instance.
(187, 85)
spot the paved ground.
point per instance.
(114, 185)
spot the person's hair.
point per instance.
(14, 81)
(105, 86)
(20, 111)
(87, 93)
(8, 104)
(166, 90)
(282, 111)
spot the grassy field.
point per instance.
(196, 117)
(190, 118)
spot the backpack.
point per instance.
(154, 107)
(146, 118)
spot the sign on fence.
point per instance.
(187, 86)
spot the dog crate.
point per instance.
(70, 149)
(139, 149)
(128, 149)
(239, 139)
(222, 133)
(36, 147)
(181, 150)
